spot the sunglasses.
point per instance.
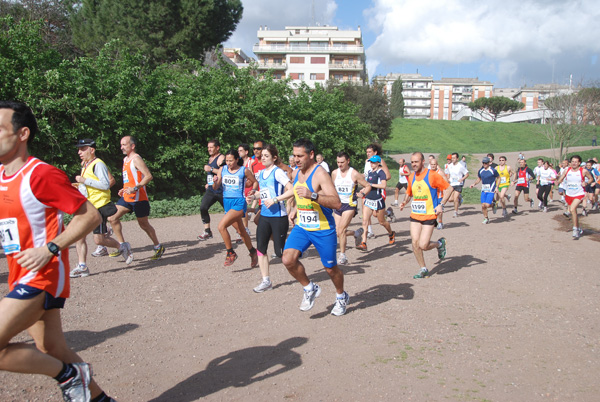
(257, 149)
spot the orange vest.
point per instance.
(27, 223)
(131, 178)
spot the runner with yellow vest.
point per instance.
(503, 183)
(315, 199)
(423, 187)
(134, 197)
(94, 183)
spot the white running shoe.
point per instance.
(340, 305)
(455, 215)
(78, 388)
(308, 300)
(440, 226)
(504, 212)
(485, 221)
(101, 251)
(370, 235)
(395, 204)
(80, 271)
(545, 209)
(342, 260)
(584, 212)
(577, 233)
(126, 252)
(263, 286)
(358, 236)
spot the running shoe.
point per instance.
(230, 258)
(395, 204)
(101, 251)
(494, 207)
(455, 215)
(358, 236)
(460, 200)
(370, 235)
(263, 286)
(576, 233)
(514, 211)
(442, 248)
(342, 259)
(485, 221)
(440, 226)
(504, 212)
(253, 259)
(390, 214)
(540, 205)
(274, 255)
(158, 252)
(126, 252)
(392, 238)
(205, 236)
(308, 300)
(340, 305)
(584, 212)
(567, 214)
(76, 389)
(545, 209)
(422, 275)
(116, 253)
(238, 239)
(362, 246)
(80, 271)
(530, 203)
(507, 196)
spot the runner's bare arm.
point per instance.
(85, 219)
(140, 165)
(323, 186)
(217, 181)
(360, 179)
(386, 170)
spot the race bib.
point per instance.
(125, 177)
(573, 186)
(308, 219)
(419, 207)
(521, 180)
(372, 204)
(486, 188)
(9, 235)
(502, 180)
(264, 194)
(231, 181)
(209, 180)
(344, 190)
(455, 181)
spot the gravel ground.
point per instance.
(511, 314)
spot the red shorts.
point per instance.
(569, 199)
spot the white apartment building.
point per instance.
(312, 54)
(416, 91)
(450, 95)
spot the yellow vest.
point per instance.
(97, 197)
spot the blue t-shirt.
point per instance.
(375, 178)
(488, 179)
(233, 183)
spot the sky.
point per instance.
(511, 43)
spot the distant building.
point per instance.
(312, 54)
(533, 97)
(451, 95)
(416, 91)
(238, 57)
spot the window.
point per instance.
(301, 76)
(320, 76)
(277, 61)
(294, 76)
(296, 60)
(317, 60)
(338, 77)
(313, 76)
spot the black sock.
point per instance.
(230, 250)
(67, 372)
(252, 250)
(101, 398)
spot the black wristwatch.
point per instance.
(314, 196)
(136, 188)
(54, 249)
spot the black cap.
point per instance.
(86, 142)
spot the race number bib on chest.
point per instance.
(502, 180)
(521, 180)
(209, 179)
(264, 194)
(231, 181)
(125, 177)
(486, 188)
(573, 186)
(308, 219)
(419, 207)
(9, 235)
(454, 181)
(344, 190)
(372, 204)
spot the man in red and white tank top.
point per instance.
(574, 177)
(134, 198)
(33, 198)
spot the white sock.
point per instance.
(340, 295)
(266, 279)
(309, 288)
(369, 229)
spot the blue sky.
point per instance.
(508, 42)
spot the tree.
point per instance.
(397, 101)
(495, 105)
(590, 99)
(164, 30)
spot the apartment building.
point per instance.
(312, 54)
(533, 97)
(237, 56)
(450, 95)
(416, 91)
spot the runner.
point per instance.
(374, 202)
(315, 198)
(232, 176)
(504, 173)
(257, 167)
(36, 246)
(425, 208)
(321, 162)
(274, 221)
(457, 174)
(435, 167)
(94, 183)
(564, 165)
(574, 178)
(546, 177)
(521, 179)
(247, 162)
(492, 164)
(375, 149)
(211, 195)
(403, 173)
(536, 173)
(134, 197)
(488, 178)
(590, 188)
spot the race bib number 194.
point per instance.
(308, 219)
(9, 235)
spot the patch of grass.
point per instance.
(444, 137)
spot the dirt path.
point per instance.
(510, 315)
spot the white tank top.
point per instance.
(573, 183)
(346, 187)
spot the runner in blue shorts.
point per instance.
(315, 199)
(488, 178)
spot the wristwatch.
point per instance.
(136, 188)
(314, 196)
(54, 249)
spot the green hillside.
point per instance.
(469, 137)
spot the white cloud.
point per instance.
(507, 36)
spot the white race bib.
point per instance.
(502, 180)
(486, 188)
(372, 204)
(209, 180)
(573, 186)
(264, 194)
(9, 235)
(455, 181)
(419, 207)
(344, 190)
(125, 177)
(231, 181)
(521, 180)
(308, 219)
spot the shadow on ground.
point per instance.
(81, 340)
(237, 369)
(453, 264)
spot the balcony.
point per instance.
(293, 48)
(272, 66)
(346, 66)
